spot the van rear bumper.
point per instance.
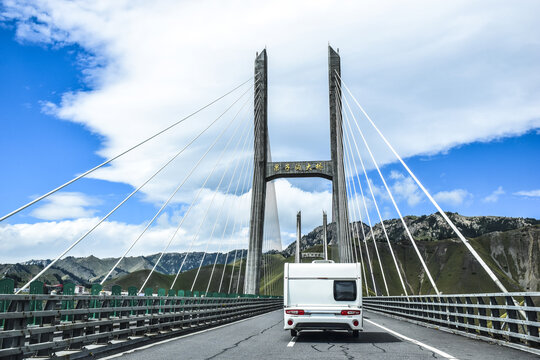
(313, 322)
(323, 326)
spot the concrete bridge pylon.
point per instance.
(265, 170)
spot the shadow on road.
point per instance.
(344, 337)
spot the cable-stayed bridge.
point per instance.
(231, 310)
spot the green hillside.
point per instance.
(452, 266)
(185, 279)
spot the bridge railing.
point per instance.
(510, 319)
(85, 325)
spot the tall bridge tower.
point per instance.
(265, 170)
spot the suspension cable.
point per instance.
(121, 154)
(229, 212)
(238, 242)
(176, 190)
(439, 209)
(374, 201)
(215, 222)
(351, 179)
(195, 199)
(372, 234)
(394, 203)
(246, 176)
(122, 202)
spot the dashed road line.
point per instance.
(292, 342)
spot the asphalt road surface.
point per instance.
(263, 337)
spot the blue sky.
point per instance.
(458, 98)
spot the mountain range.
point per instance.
(510, 246)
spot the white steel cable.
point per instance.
(374, 201)
(241, 259)
(239, 242)
(185, 215)
(439, 209)
(428, 273)
(236, 219)
(232, 233)
(228, 214)
(189, 250)
(215, 222)
(119, 155)
(173, 193)
(373, 238)
(122, 202)
(201, 224)
(349, 180)
(371, 232)
(355, 228)
(365, 239)
(240, 269)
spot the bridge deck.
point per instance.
(263, 337)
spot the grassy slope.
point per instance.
(185, 280)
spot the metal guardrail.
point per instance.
(78, 326)
(494, 317)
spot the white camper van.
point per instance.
(322, 296)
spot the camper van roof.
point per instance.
(325, 270)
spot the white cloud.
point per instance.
(66, 205)
(291, 199)
(404, 187)
(453, 197)
(528, 193)
(494, 196)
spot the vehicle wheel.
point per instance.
(355, 333)
(294, 333)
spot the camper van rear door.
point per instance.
(344, 290)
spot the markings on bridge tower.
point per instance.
(288, 169)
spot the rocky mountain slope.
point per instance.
(509, 245)
(88, 270)
(427, 227)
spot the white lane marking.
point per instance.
(291, 343)
(179, 337)
(416, 342)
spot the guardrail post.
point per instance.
(437, 308)
(6, 287)
(132, 291)
(444, 309)
(512, 314)
(36, 288)
(532, 316)
(482, 312)
(459, 310)
(495, 313)
(451, 313)
(470, 311)
(15, 324)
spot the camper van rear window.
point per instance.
(344, 290)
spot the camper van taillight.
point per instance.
(350, 312)
(295, 312)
